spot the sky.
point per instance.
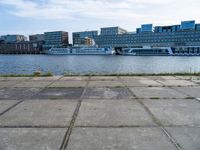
(38, 16)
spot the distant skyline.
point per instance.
(38, 16)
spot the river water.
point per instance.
(84, 64)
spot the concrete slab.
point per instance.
(76, 78)
(161, 78)
(141, 83)
(175, 112)
(189, 77)
(4, 84)
(188, 138)
(59, 93)
(105, 84)
(14, 78)
(192, 91)
(69, 84)
(5, 104)
(156, 92)
(35, 84)
(112, 113)
(17, 93)
(176, 83)
(31, 139)
(118, 139)
(40, 113)
(104, 78)
(196, 81)
(128, 78)
(107, 93)
(53, 78)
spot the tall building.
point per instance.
(36, 37)
(56, 39)
(13, 38)
(80, 36)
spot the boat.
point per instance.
(80, 51)
(147, 51)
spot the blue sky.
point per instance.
(37, 16)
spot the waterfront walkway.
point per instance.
(100, 113)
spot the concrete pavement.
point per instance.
(100, 113)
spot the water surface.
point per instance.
(27, 64)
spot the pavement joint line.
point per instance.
(122, 126)
(132, 93)
(8, 109)
(117, 126)
(12, 86)
(197, 99)
(66, 138)
(157, 122)
(161, 126)
(20, 101)
(33, 126)
(43, 88)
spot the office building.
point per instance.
(26, 47)
(56, 39)
(83, 42)
(80, 36)
(36, 37)
(185, 34)
(112, 31)
(147, 28)
(188, 25)
(13, 38)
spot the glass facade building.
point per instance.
(188, 25)
(186, 34)
(13, 38)
(56, 39)
(36, 37)
(80, 36)
(112, 31)
(147, 28)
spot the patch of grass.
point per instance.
(131, 74)
(35, 74)
(154, 97)
(189, 98)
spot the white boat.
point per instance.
(147, 51)
(80, 51)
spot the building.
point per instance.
(112, 31)
(83, 42)
(26, 47)
(147, 28)
(80, 36)
(36, 37)
(13, 38)
(118, 40)
(185, 34)
(56, 39)
(188, 25)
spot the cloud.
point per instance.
(126, 13)
(69, 9)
